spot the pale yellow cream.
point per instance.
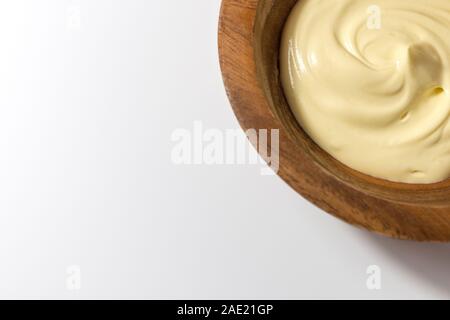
(369, 81)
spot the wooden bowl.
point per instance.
(249, 40)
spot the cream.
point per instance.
(369, 81)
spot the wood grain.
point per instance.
(249, 34)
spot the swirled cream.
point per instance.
(369, 81)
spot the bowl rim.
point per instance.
(266, 25)
(236, 36)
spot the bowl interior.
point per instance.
(270, 19)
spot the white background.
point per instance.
(86, 116)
